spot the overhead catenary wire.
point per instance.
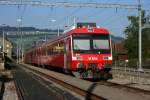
(95, 13)
(110, 20)
(67, 16)
(111, 24)
(67, 4)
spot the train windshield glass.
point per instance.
(100, 44)
(91, 43)
(81, 44)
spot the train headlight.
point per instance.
(77, 58)
(107, 58)
(74, 58)
(110, 58)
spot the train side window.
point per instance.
(49, 50)
(58, 48)
(53, 49)
(61, 47)
(41, 51)
(45, 51)
(36, 52)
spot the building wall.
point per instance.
(7, 48)
(120, 51)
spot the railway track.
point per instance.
(98, 90)
(19, 91)
(68, 86)
(32, 87)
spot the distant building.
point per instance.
(7, 48)
(120, 51)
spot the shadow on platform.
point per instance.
(3, 79)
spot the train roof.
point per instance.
(93, 30)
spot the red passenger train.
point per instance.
(84, 51)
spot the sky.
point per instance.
(115, 20)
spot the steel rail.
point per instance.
(19, 91)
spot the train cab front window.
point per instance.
(100, 44)
(91, 43)
(81, 44)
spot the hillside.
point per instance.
(115, 39)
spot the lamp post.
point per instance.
(140, 38)
(17, 53)
(147, 25)
(3, 41)
(19, 20)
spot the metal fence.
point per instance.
(132, 64)
(131, 73)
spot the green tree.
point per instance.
(131, 39)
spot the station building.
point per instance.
(7, 47)
(120, 51)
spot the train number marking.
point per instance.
(92, 58)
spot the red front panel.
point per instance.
(98, 59)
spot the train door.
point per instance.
(66, 55)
